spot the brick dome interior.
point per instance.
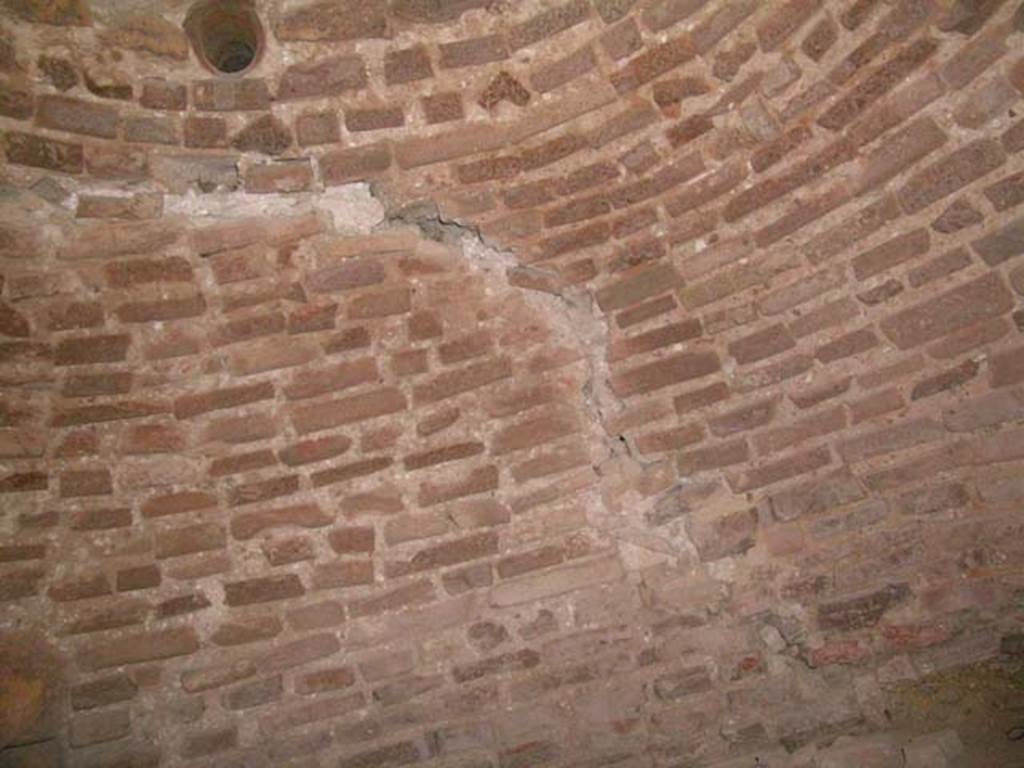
(512, 383)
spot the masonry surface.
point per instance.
(483, 384)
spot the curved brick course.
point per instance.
(659, 402)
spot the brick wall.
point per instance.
(600, 383)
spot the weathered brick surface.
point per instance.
(239, 447)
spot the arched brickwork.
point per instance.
(592, 383)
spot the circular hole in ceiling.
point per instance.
(226, 35)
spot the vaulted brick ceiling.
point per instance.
(480, 383)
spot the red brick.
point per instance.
(655, 61)
(392, 302)
(99, 727)
(100, 519)
(347, 410)
(941, 266)
(474, 482)
(95, 482)
(636, 285)
(164, 95)
(969, 338)
(741, 419)
(713, 457)
(548, 23)
(1002, 244)
(805, 430)
(780, 469)
(343, 472)
(111, 348)
(315, 128)
(949, 174)
(882, 79)
(209, 742)
(374, 118)
(230, 95)
(784, 21)
(141, 577)
(161, 310)
(64, 113)
(442, 108)
(866, 221)
(103, 692)
(666, 372)
(765, 343)
(262, 590)
(1007, 367)
(39, 152)
(205, 132)
(310, 383)
(670, 439)
(947, 312)
(139, 647)
(473, 52)
(413, 593)
(853, 343)
(202, 537)
(328, 77)
(891, 253)
(247, 525)
(358, 164)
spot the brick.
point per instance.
(100, 727)
(622, 40)
(970, 303)
(770, 341)
(862, 610)
(473, 52)
(1002, 244)
(666, 372)
(713, 457)
(139, 648)
(161, 310)
(818, 41)
(780, 469)
(345, 472)
(946, 264)
(262, 590)
(959, 214)
(247, 525)
(548, 23)
(442, 108)
(374, 118)
(411, 594)
(854, 343)
(700, 398)
(407, 65)
(189, 406)
(163, 95)
(891, 253)
(112, 348)
(881, 80)
(652, 63)
(804, 430)
(558, 73)
(815, 497)
(949, 174)
(263, 490)
(205, 132)
(723, 20)
(315, 128)
(310, 383)
(358, 164)
(901, 151)
(476, 481)
(742, 419)
(201, 537)
(837, 239)
(64, 113)
(283, 177)
(973, 58)
(103, 691)
(269, 355)
(969, 339)
(784, 21)
(347, 410)
(556, 581)
(265, 134)
(1007, 367)
(86, 483)
(665, 13)
(328, 77)
(636, 285)
(100, 519)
